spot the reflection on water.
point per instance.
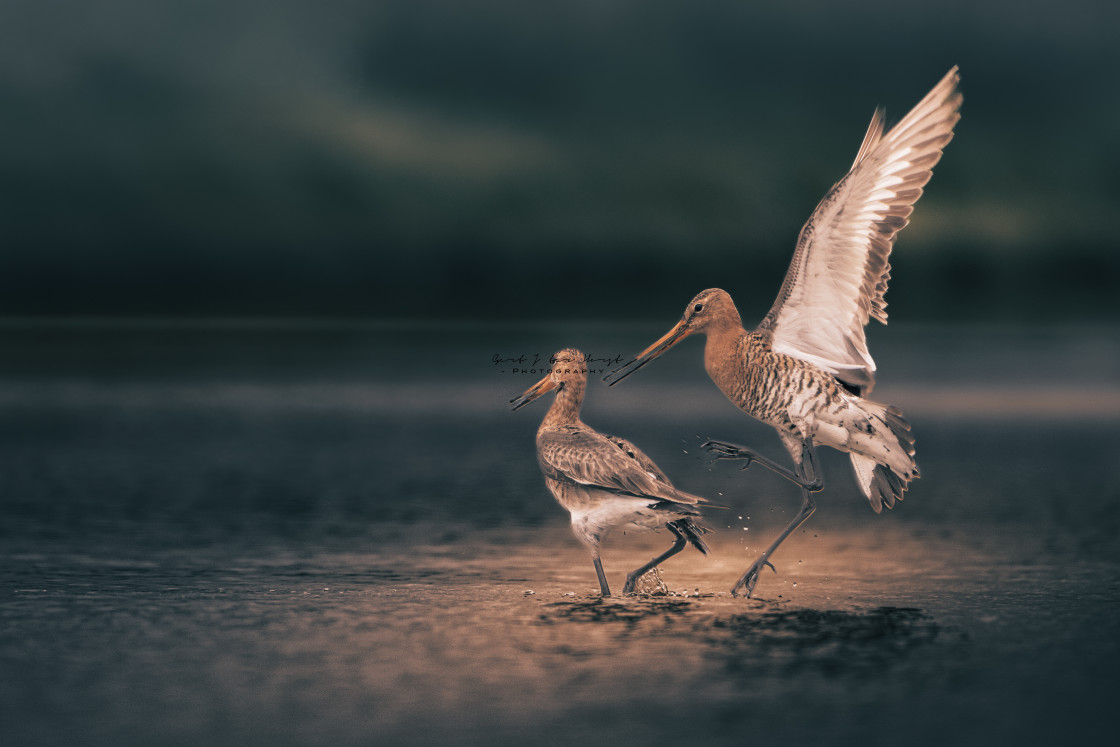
(845, 643)
(326, 534)
(607, 610)
(837, 643)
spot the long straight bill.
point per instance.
(544, 385)
(668, 340)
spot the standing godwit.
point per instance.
(805, 368)
(605, 481)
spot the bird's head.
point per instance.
(568, 368)
(711, 307)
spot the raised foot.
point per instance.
(750, 578)
(725, 450)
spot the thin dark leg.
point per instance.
(806, 464)
(750, 578)
(807, 476)
(633, 576)
(606, 590)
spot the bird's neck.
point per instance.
(565, 408)
(724, 331)
(722, 356)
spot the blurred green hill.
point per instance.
(501, 158)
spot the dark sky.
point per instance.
(434, 158)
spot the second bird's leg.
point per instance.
(633, 576)
(806, 464)
(606, 590)
(807, 476)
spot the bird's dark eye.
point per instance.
(698, 308)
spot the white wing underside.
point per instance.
(840, 268)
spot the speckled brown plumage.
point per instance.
(605, 481)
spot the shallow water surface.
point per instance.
(339, 535)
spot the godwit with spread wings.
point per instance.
(805, 369)
(605, 481)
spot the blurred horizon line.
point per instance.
(375, 322)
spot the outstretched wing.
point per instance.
(586, 457)
(840, 269)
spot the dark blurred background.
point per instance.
(497, 158)
(253, 259)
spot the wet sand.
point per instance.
(858, 638)
(222, 556)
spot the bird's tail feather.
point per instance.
(691, 528)
(884, 470)
(879, 484)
